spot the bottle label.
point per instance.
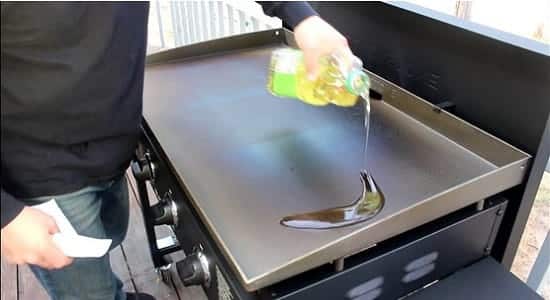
(285, 63)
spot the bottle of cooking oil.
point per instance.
(341, 80)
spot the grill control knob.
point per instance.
(165, 211)
(144, 169)
(194, 269)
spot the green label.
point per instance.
(284, 84)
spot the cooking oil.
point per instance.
(367, 132)
(368, 205)
(341, 80)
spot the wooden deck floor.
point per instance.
(131, 262)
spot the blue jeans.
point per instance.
(95, 211)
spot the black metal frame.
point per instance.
(321, 281)
(496, 81)
(387, 258)
(158, 255)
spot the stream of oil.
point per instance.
(366, 122)
(367, 205)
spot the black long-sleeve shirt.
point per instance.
(71, 93)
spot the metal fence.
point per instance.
(177, 23)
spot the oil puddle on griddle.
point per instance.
(369, 203)
(365, 207)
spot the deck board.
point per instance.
(149, 282)
(28, 286)
(8, 281)
(120, 268)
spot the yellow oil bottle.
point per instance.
(341, 80)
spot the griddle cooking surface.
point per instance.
(248, 159)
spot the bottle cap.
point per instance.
(358, 83)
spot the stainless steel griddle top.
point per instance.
(248, 159)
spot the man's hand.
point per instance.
(27, 239)
(316, 38)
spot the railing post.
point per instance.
(175, 21)
(540, 273)
(213, 19)
(230, 18)
(159, 22)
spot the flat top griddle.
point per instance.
(247, 159)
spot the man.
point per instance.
(72, 79)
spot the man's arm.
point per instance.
(26, 236)
(292, 13)
(26, 232)
(314, 36)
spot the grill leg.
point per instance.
(480, 205)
